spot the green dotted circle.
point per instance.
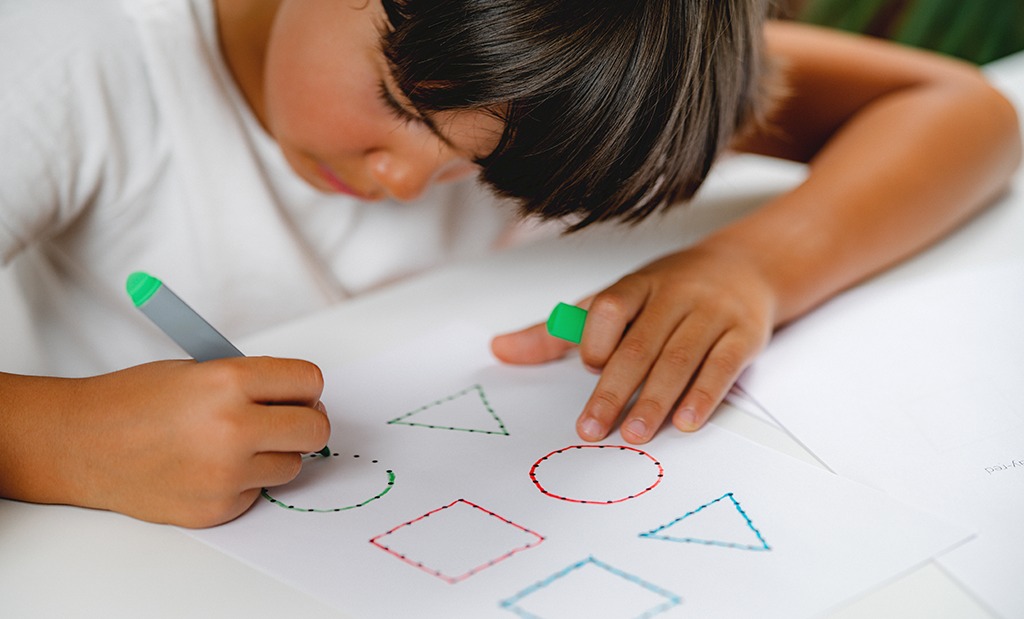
(390, 484)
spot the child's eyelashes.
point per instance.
(396, 108)
(408, 116)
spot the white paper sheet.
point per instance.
(459, 488)
(916, 389)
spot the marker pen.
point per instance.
(180, 322)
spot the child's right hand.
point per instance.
(177, 442)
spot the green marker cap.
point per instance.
(141, 286)
(566, 322)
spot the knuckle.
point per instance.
(217, 426)
(702, 398)
(611, 304)
(724, 364)
(678, 358)
(592, 359)
(650, 407)
(225, 374)
(633, 349)
(608, 401)
(231, 429)
(727, 361)
(219, 479)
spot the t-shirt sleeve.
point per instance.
(67, 71)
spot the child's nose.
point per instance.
(405, 177)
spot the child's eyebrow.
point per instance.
(394, 104)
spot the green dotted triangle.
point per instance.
(407, 418)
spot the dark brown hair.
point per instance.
(613, 109)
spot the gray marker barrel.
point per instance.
(179, 321)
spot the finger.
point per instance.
(608, 317)
(625, 371)
(287, 428)
(674, 369)
(715, 377)
(270, 379)
(274, 469)
(529, 346)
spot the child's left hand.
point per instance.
(680, 329)
(875, 123)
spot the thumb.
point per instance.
(529, 346)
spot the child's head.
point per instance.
(612, 108)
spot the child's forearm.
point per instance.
(31, 439)
(898, 173)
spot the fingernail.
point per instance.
(591, 429)
(592, 369)
(686, 419)
(637, 428)
(320, 407)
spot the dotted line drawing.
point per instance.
(543, 490)
(760, 547)
(671, 599)
(448, 578)
(387, 488)
(402, 420)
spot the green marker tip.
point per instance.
(141, 287)
(566, 322)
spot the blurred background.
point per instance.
(978, 31)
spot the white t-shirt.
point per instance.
(125, 145)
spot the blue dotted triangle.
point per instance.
(757, 541)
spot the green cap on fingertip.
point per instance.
(566, 322)
(141, 287)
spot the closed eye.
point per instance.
(405, 116)
(399, 112)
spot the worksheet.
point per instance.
(457, 487)
(915, 388)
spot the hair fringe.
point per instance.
(613, 110)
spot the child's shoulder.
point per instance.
(65, 20)
(60, 51)
(41, 33)
(74, 105)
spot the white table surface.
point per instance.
(60, 561)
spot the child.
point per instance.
(270, 157)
